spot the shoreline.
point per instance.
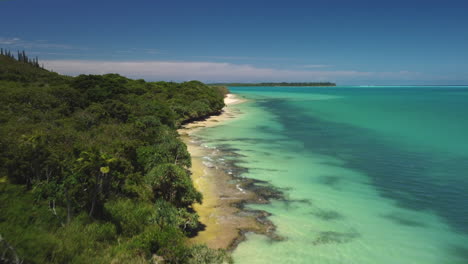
(222, 213)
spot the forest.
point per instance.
(92, 169)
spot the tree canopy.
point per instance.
(92, 168)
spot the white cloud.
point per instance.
(29, 44)
(207, 71)
(243, 58)
(317, 66)
(147, 51)
(9, 41)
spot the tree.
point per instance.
(173, 184)
(96, 178)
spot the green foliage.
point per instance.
(130, 216)
(92, 168)
(20, 71)
(201, 254)
(169, 151)
(173, 184)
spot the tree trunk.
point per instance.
(67, 197)
(97, 187)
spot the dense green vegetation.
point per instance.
(276, 84)
(92, 169)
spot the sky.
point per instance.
(348, 42)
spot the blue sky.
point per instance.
(349, 42)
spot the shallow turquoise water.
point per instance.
(372, 175)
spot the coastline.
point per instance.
(222, 212)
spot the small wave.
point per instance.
(208, 164)
(239, 188)
(207, 146)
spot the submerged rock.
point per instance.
(328, 237)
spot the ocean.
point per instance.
(370, 174)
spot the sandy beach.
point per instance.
(219, 212)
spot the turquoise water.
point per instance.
(372, 175)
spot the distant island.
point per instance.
(276, 84)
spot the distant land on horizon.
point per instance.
(412, 85)
(330, 84)
(276, 84)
